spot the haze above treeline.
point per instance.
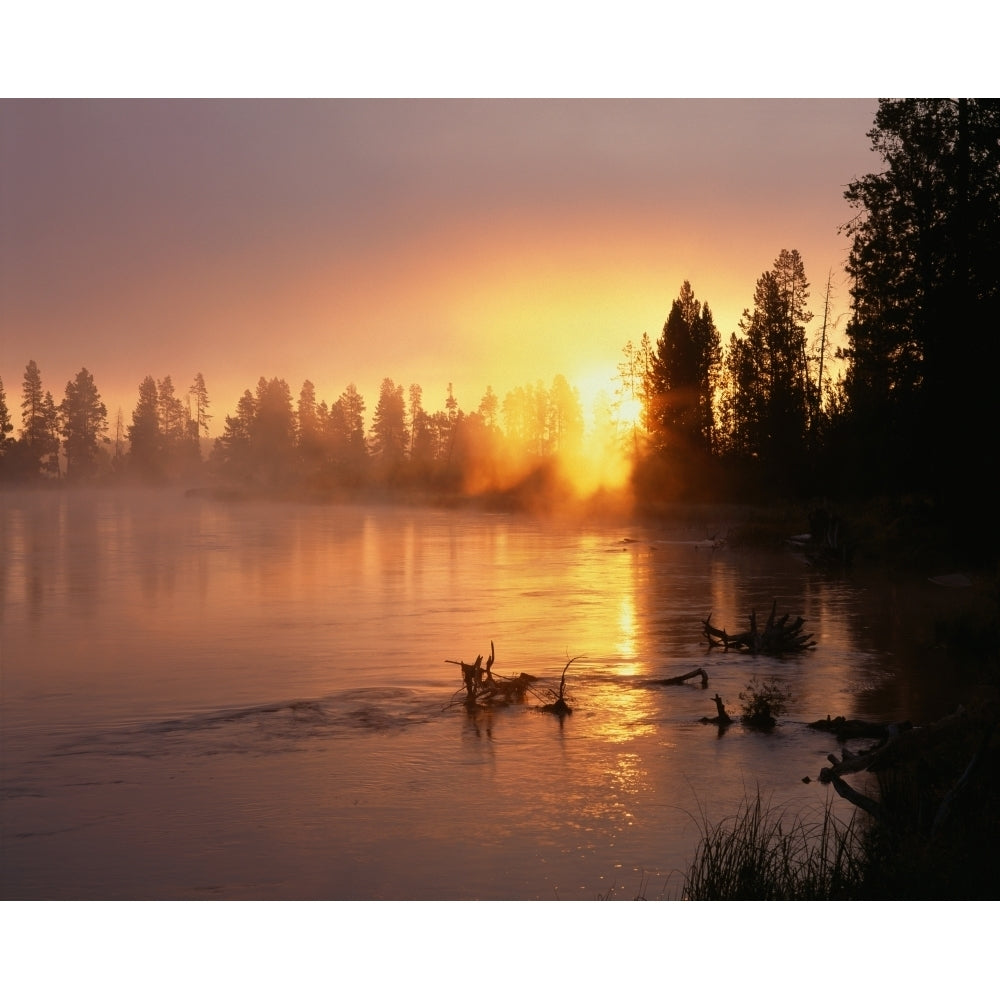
(472, 242)
(690, 415)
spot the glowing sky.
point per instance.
(473, 242)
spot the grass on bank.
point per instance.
(762, 853)
(935, 836)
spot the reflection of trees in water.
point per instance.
(83, 546)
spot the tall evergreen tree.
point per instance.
(767, 385)
(311, 433)
(925, 296)
(199, 396)
(423, 443)
(84, 422)
(742, 410)
(790, 275)
(273, 432)
(118, 441)
(32, 418)
(388, 435)
(453, 416)
(5, 424)
(681, 379)
(565, 418)
(489, 407)
(632, 405)
(145, 439)
(48, 439)
(348, 449)
(232, 450)
(516, 409)
(173, 421)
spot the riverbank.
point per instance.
(927, 830)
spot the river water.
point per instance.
(204, 699)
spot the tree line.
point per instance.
(274, 440)
(759, 414)
(911, 410)
(76, 426)
(742, 417)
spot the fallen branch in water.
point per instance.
(681, 678)
(851, 729)
(859, 799)
(923, 760)
(482, 688)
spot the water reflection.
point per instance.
(628, 645)
(620, 712)
(274, 676)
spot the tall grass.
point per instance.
(761, 853)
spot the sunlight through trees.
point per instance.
(690, 416)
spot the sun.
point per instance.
(602, 401)
(601, 462)
(597, 389)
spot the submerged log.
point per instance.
(681, 678)
(922, 757)
(904, 743)
(777, 637)
(851, 729)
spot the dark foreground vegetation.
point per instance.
(928, 831)
(925, 794)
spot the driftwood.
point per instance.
(481, 687)
(904, 743)
(681, 678)
(779, 636)
(859, 799)
(851, 729)
(904, 746)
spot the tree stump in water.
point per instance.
(777, 638)
(722, 718)
(559, 706)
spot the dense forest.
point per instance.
(692, 416)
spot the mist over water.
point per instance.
(252, 700)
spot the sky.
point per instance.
(481, 243)
(473, 242)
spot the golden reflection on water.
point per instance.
(621, 713)
(628, 628)
(119, 610)
(629, 777)
(616, 787)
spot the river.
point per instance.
(252, 700)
